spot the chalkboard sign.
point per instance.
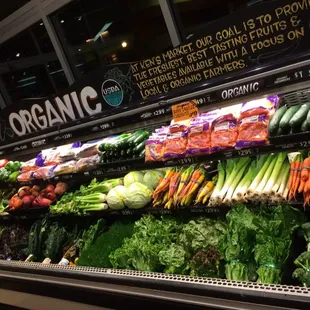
(271, 33)
(252, 37)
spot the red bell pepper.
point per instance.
(3, 162)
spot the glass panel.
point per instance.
(97, 33)
(29, 66)
(196, 14)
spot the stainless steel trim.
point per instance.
(171, 25)
(56, 43)
(203, 283)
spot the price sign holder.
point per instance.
(184, 111)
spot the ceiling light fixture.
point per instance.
(18, 54)
(62, 21)
(80, 18)
(79, 49)
(124, 44)
(41, 24)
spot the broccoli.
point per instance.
(303, 272)
(306, 229)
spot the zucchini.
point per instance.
(129, 152)
(139, 148)
(275, 120)
(282, 131)
(142, 137)
(142, 154)
(134, 137)
(284, 122)
(308, 119)
(304, 126)
(299, 116)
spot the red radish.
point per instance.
(36, 188)
(51, 196)
(35, 203)
(35, 194)
(27, 200)
(21, 193)
(43, 202)
(49, 188)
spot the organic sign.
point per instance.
(254, 36)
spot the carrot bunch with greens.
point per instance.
(304, 186)
(204, 192)
(190, 191)
(160, 195)
(295, 175)
(185, 178)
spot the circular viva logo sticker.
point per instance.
(112, 93)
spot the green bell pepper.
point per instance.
(4, 174)
(13, 176)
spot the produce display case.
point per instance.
(124, 288)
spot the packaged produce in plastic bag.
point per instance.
(89, 149)
(29, 165)
(25, 177)
(87, 164)
(253, 129)
(44, 173)
(224, 129)
(199, 133)
(176, 141)
(154, 146)
(65, 168)
(53, 156)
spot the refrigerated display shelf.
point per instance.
(282, 296)
(110, 170)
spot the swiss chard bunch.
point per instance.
(302, 273)
(274, 229)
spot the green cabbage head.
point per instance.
(138, 196)
(116, 197)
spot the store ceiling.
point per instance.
(9, 7)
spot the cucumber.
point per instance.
(304, 125)
(275, 120)
(142, 137)
(308, 119)
(123, 153)
(139, 148)
(101, 147)
(284, 122)
(299, 116)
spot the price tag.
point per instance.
(305, 143)
(198, 210)
(98, 172)
(289, 146)
(228, 154)
(247, 152)
(184, 111)
(118, 169)
(63, 137)
(164, 211)
(127, 212)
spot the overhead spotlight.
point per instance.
(124, 44)
(18, 54)
(41, 24)
(62, 21)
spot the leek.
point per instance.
(240, 192)
(286, 189)
(238, 164)
(93, 207)
(92, 198)
(275, 173)
(219, 183)
(266, 176)
(234, 184)
(259, 176)
(284, 182)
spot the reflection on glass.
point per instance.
(96, 33)
(196, 14)
(29, 66)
